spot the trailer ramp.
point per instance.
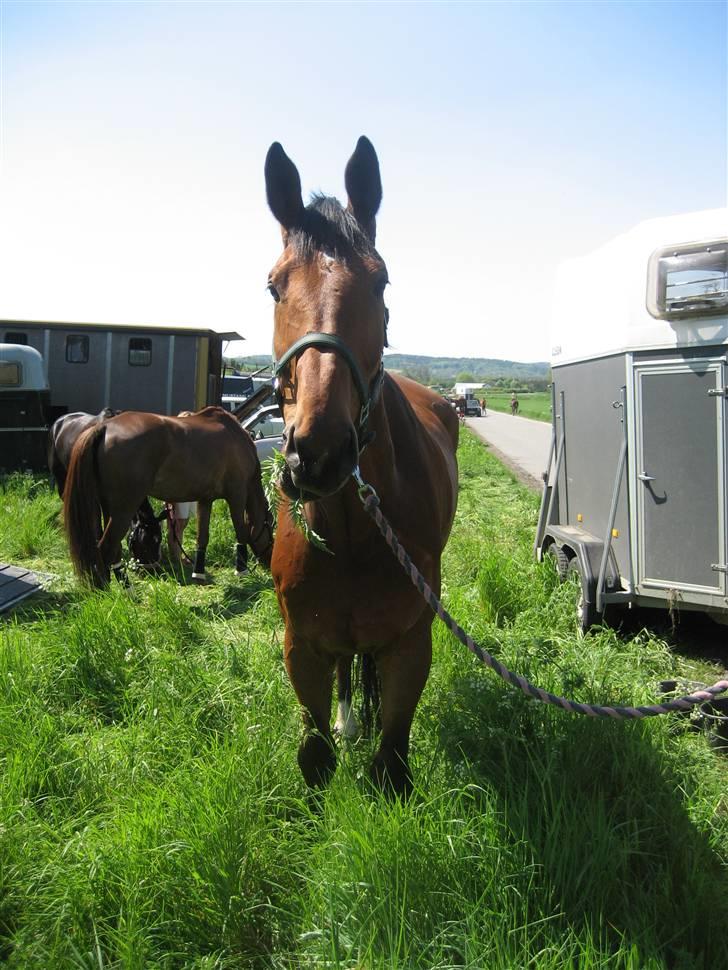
(17, 583)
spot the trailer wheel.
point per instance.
(558, 558)
(586, 613)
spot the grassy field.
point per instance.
(152, 814)
(536, 405)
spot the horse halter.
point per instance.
(368, 395)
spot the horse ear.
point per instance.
(364, 186)
(283, 187)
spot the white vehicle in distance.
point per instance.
(265, 427)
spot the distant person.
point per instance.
(482, 407)
(514, 403)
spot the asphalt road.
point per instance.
(520, 443)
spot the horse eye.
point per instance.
(274, 292)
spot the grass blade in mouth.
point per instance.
(273, 469)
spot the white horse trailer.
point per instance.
(635, 494)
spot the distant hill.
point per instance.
(439, 370)
(444, 369)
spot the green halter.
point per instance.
(367, 395)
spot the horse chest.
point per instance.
(342, 604)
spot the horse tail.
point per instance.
(82, 506)
(368, 680)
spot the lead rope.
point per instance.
(370, 501)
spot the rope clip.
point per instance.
(364, 490)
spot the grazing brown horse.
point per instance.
(341, 411)
(199, 458)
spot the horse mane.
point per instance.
(327, 226)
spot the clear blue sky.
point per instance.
(510, 136)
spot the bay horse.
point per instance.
(341, 411)
(200, 458)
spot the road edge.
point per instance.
(524, 477)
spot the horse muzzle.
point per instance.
(315, 473)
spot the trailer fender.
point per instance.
(588, 550)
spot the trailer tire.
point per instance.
(556, 555)
(586, 612)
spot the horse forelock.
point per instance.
(330, 228)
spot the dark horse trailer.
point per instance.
(24, 409)
(634, 503)
(141, 368)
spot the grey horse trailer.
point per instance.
(634, 502)
(92, 366)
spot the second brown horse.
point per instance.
(200, 458)
(342, 410)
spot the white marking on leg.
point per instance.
(347, 725)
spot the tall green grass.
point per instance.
(152, 814)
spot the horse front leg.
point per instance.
(312, 677)
(236, 506)
(204, 508)
(403, 670)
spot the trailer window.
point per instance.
(11, 374)
(12, 337)
(140, 351)
(77, 349)
(688, 281)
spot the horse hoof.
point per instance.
(242, 572)
(317, 760)
(392, 778)
(347, 730)
(200, 578)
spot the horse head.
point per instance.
(330, 321)
(145, 536)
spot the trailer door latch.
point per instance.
(718, 392)
(718, 568)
